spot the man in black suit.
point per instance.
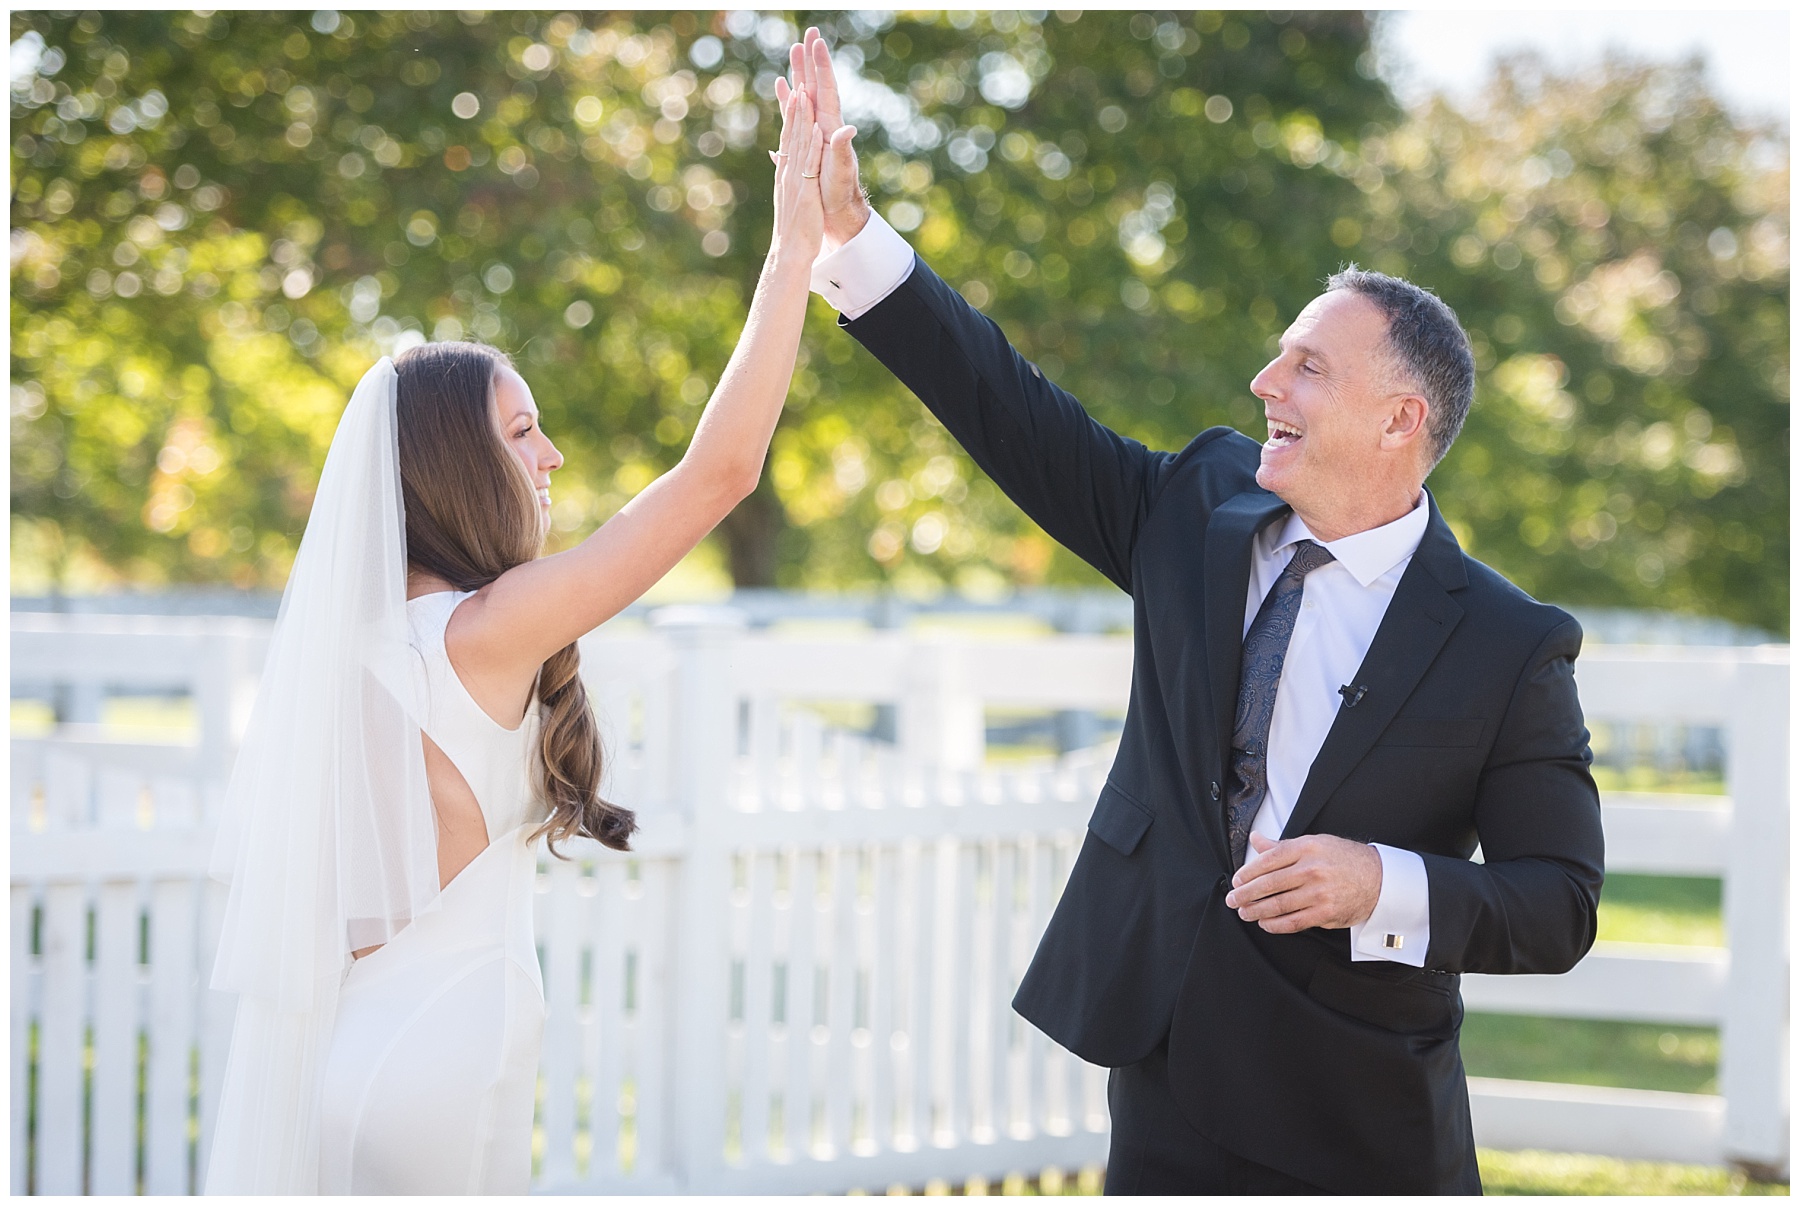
(1331, 708)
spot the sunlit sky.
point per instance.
(1746, 53)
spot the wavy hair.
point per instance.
(471, 515)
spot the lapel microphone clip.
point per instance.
(1352, 694)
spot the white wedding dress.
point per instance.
(412, 1070)
(430, 1079)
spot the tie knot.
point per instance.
(1308, 557)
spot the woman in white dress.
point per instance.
(420, 726)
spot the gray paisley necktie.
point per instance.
(1265, 650)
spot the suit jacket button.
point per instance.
(1224, 884)
(1213, 788)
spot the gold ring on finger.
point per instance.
(804, 176)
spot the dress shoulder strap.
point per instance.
(430, 617)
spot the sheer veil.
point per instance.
(328, 839)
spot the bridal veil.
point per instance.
(328, 839)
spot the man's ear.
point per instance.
(1408, 421)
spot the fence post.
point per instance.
(75, 702)
(1753, 1053)
(1077, 729)
(62, 1019)
(703, 752)
(887, 614)
(941, 721)
(225, 689)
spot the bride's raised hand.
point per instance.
(535, 609)
(840, 189)
(799, 213)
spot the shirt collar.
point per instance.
(1369, 554)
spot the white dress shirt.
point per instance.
(1340, 610)
(865, 270)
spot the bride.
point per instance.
(420, 726)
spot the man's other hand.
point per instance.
(846, 207)
(1300, 883)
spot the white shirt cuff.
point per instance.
(1399, 930)
(859, 275)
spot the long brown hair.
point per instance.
(471, 515)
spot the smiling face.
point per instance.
(1345, 434)
(517, 413)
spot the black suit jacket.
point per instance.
(1282, 1050)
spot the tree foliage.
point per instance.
(1619, 249)
(221, 219)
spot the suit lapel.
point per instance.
(1229, 534)
(1418, 622)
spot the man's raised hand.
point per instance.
(840, 189)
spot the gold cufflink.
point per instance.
(1393, 942)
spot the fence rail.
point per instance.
(801, 980)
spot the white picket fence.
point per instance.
(801, 980)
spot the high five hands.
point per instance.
(810, 74)
(799, 212)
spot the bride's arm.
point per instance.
(531, 611)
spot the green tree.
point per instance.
(221, 219)
(1618, 246)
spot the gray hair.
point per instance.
(1427, 343)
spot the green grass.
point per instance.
(1677, 1059)
(1560, 1174)
(1676, 909)
(1649, 778)
(1504, 1173)
(32, 718)
(131, 718)
(1681, 1059)
(137, 718)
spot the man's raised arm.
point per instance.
(1084, 484)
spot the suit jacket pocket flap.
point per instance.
(1426, 730)
(1415, 1004)
(1119, 820)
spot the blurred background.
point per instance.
(219, 220)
